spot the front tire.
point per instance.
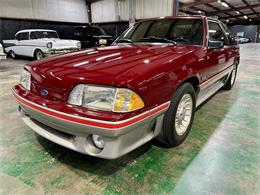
(38, 54)
(179, 117)
(12, 54)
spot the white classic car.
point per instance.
(244, 40)
(38, 43)
(2, 54)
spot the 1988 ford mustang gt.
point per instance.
(107, 101)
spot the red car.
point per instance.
(105, 102)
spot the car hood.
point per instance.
(56, 42)
(104, 65)
(103, 36)
(64, 43)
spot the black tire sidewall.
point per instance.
(169, 132)
(12, 54)
(36, 54)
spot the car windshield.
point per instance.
(88, 31)
(98, 31)
(43, 34)
(180, 31)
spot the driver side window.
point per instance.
(22, 36)
(216, 33)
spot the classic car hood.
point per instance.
(57, 40)
(63, 43)
(104, 65)
(103, 36)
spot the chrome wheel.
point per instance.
(12, 54)
(233, 75)
(183, 114)
(39, 55)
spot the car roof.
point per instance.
(182, 17)
(33, 30)
(87, 27)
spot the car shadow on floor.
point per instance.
(83, 162)
(207, 119)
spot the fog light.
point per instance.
(98, 141)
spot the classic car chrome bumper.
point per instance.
(59, 51)
(75, 132)
(2, 56)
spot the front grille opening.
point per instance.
(54, 131)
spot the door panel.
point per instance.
(218, 59)
(23, 45)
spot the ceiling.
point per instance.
(229, 11)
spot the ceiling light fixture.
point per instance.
(245, 17)
(237, 12)
(223, 3)
(227, 20)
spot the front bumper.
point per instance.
(75, 132)
(2, 56)
(59, 51)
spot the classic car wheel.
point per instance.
(231, 80)
(183, 114)
(179, 117)
(12, 54)
(38, 54)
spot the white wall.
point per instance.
(123, 9)
(104, 11)
(51, 10)
(115, 10)
(153, 8)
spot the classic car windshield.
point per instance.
(43, 34)
(98, 31)
(181, 31)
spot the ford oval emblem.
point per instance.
(44, 92)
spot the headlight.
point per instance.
(105, 98)
(102, 41)
(25, 79)
(49, 45)
(79, 45)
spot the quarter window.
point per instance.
(215, 33)
(22, 36)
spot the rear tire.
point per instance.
(231, 79)
(179, 117)
(38, 54)
(12, 54)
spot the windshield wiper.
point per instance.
(153, 38)
(124, 41)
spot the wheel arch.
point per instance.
(7, 49)
(35, 51)
(193, 80)
(187, 76)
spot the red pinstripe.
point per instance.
(99, 124)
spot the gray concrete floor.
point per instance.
(220, 156)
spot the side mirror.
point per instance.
(216, 44)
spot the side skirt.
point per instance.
(204, 95)
(213, 86)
